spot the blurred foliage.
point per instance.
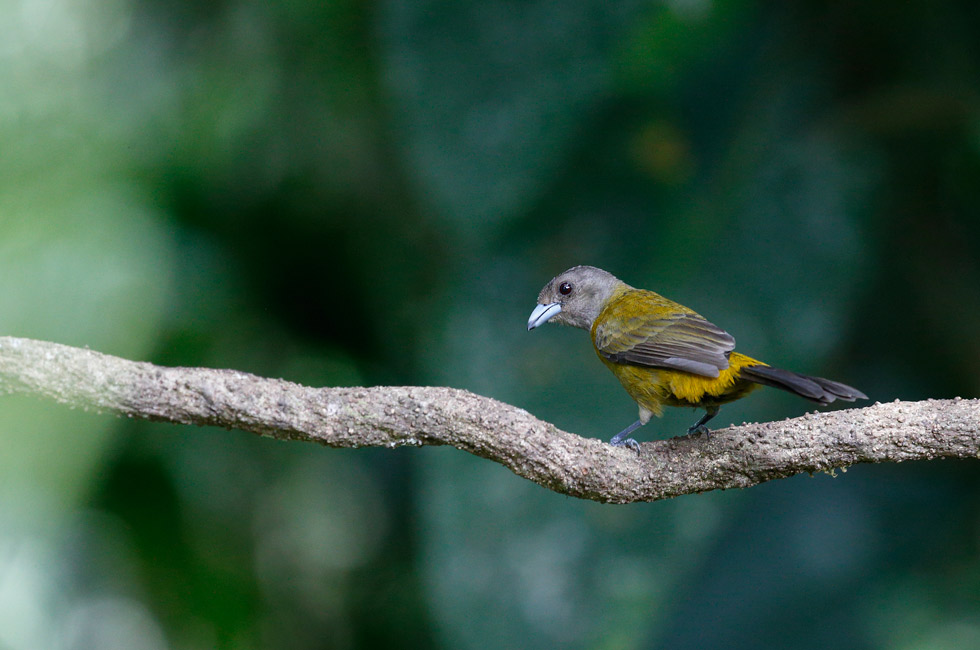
(345, 193)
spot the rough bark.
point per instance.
(392, 416)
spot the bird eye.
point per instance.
(564, 288)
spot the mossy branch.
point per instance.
(392, 416)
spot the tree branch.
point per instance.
(393, 416)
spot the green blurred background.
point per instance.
(348, 193)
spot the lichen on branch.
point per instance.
(392, 416)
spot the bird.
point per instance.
(663, 353)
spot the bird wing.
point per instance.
(645, 329)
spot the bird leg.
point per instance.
(620, 439)
(698, 427)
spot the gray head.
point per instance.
(574, 298)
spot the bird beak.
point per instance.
(542, 314)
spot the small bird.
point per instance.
(664, 353)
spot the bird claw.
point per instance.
(626, 442)
(699, 430)
(620, 439)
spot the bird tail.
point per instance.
(815, 389)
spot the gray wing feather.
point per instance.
(683, 341)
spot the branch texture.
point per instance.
(393, 416)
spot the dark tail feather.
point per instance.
(815, 389)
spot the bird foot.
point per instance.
(699, 430)
(620, 439)
(625, 442)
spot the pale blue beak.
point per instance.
(542, 314)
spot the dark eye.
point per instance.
(564, 288)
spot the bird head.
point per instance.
(574, 297)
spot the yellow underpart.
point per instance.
(653, 388)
